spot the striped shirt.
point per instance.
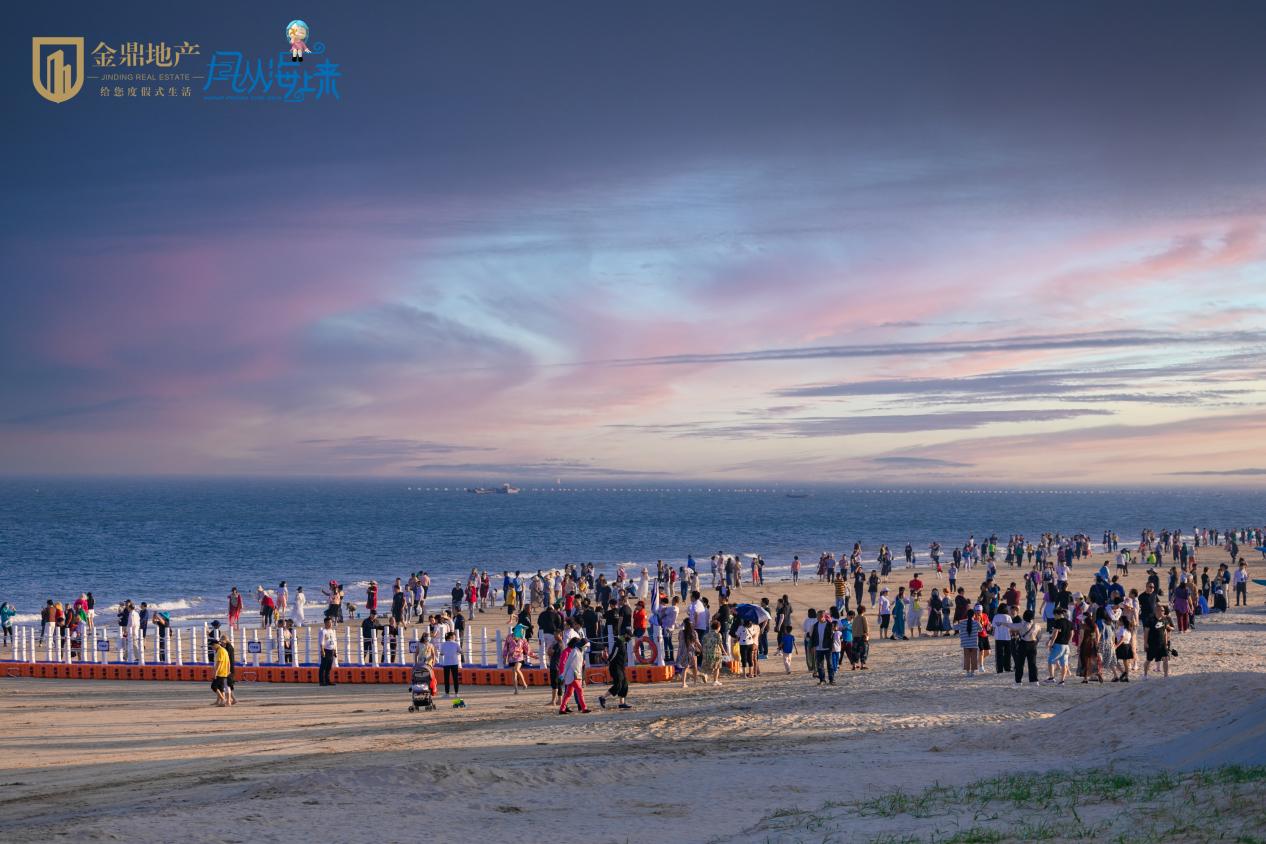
(968, 633)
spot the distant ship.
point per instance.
(504, 489)
(799, 494)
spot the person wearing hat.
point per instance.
(885, 612)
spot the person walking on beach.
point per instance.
(573, 662)
(689, 650)
(328, 641)
(283, 601)
(713, 654)
(220, 673)
(786, 646)
(617, 662)
(301, 604)
(514, 653)
(235, 606)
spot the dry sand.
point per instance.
(155, 762)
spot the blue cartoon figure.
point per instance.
(297, 35)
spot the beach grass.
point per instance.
(1224, 804)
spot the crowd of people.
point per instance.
(567, 618)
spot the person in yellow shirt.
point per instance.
(220, 675)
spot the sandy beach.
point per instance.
(155, 762)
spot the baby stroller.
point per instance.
(420, 688)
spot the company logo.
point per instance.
(56, 78)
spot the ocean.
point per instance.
(181, 543)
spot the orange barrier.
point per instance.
(354, 674)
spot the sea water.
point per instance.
(181, 543)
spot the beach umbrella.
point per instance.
(751, 612)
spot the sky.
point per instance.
(909, 243)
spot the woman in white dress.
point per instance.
(301, 603)
(915, 616)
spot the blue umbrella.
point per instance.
(751, 612)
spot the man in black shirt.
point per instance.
(1060, 637)
(368, 630)
(549, 621)
(626, 617)
(589, 618)
(1147, 606)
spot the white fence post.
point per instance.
(307, 645)
(255, 638)
(499, 665)
(180, 653)
(484, 649)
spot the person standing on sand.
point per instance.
(328, 641)
(899, 615)
(713, 655)
(1002, 641)
(1023, 638)
(1061, 635)
(872, 585)
(1240, 579)
(553, 661)
(301, 604)
(885, 613)
(235, 607)
(283, 600)
(689, 649)
(451, 662)
(1088, 654)
(7, 612)
(1123, 638)
(823, 639)
(1157, 643)
(795, 570)
(861, 637)
(969, 640)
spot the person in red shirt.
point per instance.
(916, 585)
(639, 619)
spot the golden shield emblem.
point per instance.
(56, 77)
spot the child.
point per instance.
(787, 644)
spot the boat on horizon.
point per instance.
(799, 495)
(504, 489)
